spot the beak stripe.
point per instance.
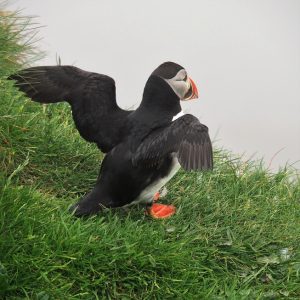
(194, 88)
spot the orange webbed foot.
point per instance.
(161, 211)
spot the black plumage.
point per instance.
(142, 146)
(185, 136)
(92, 97)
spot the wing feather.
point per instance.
(186, 136)
(92, 97)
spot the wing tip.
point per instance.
(196, 157)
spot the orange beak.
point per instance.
(194, 89)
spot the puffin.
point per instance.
(144, 148)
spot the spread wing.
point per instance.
(186, 136)
(92, 97)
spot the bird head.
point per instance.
(177, 78)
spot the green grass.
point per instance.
(227, 240)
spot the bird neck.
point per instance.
(159, 101)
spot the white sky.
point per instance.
(243, 55)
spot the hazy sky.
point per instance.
(243, 55)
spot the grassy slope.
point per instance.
(224, 242)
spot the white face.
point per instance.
(180, 84)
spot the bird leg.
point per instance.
(156, 196)
(161, 194)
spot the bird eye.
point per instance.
(182, 79)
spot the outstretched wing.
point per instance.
(92, 97)
(186, 136)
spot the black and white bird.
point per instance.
(144, 148)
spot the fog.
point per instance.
(243, 55)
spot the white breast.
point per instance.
(146, 196)
(180, 114)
